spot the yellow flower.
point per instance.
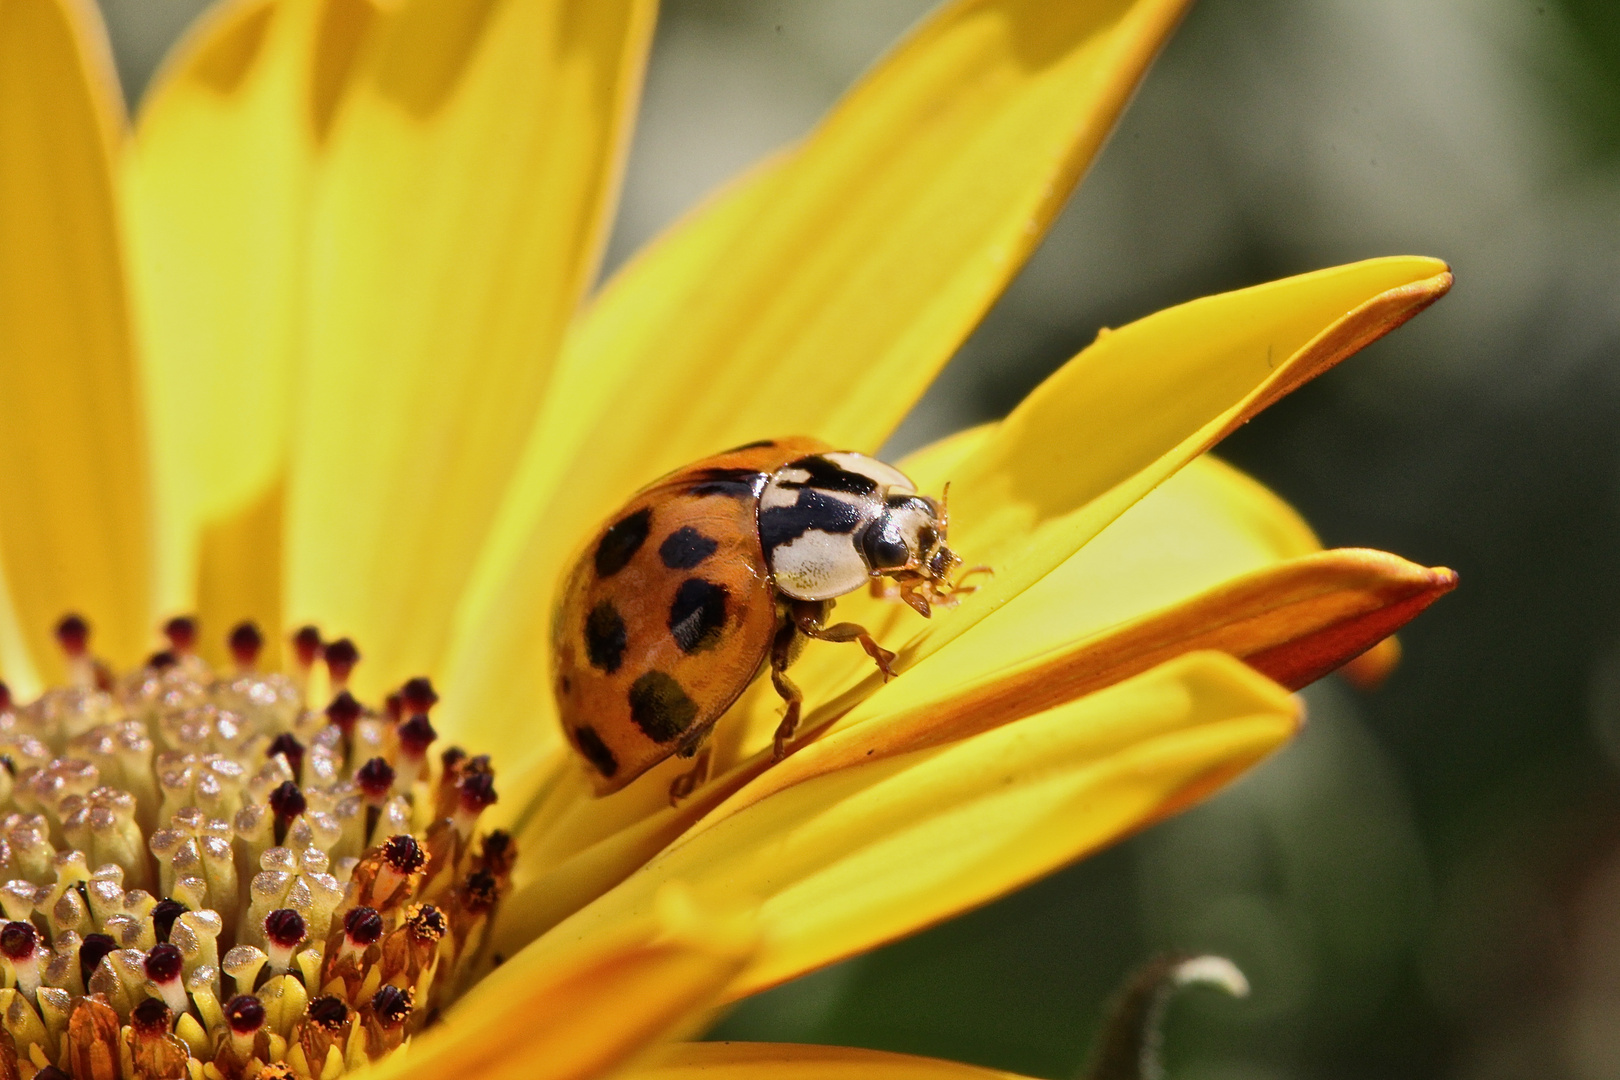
(315, 343)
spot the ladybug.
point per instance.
(722, 570)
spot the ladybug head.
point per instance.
(907, 540)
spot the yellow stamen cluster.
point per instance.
(203, 877)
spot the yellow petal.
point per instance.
(790, 1061)
(1141, 402)
(1293, 622)
(568, 1010)
(862, 263)
(73, 478)
(219, 182)
(459, 220)
(847, 861)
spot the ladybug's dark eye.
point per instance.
(883, 546)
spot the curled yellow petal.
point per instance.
(1141, 402)
(219, 181)
(1294, 622)
(828, 291)
(791, 1061)
(569, 1010)
(846, 861)
(74, 530)
(461, 211)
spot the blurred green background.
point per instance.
(1427, 883)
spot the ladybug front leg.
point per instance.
(807, 616)
(781, 657)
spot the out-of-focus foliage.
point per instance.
(1427, 884)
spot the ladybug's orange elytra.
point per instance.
(713, 573)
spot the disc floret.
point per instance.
(213, 876)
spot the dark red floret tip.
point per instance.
(403, 853)
(394, 706)
(164, 912)
(307, 645)
(245, 1014)
(391, 1006)
(73, 634)
(288, 747)
(375, 777)
(480, 892)
(427, 923)
(329, 1012)
(344, 711)
(164, 962)
(419, 694)
(284, 927)
(5, 697)
(51, 1072)
(150, 1017)
(452, 757)
(287, 802)
(92, 951)
(181, 632)
(363, 925)
(17, 940)
(341, 656)
(245, 642)
(416, 735)
(477, 790)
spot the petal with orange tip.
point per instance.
(573, 1009)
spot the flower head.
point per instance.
(312, 346)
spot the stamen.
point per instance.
(163, 916)
(244, 1017)
(283, 931)
(246, 642)
(176, 840)
(150, 1017)
(418, 695)
(288, 746)
(163, 965)
(19, 942)
(182, 634)
(341, 656)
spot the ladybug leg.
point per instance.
(781, 656)
(807, 616)
(690, 780)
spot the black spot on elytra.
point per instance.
(829, 477)
(660, 707)
(698, 615)
(595, 750)
(685, 548)
(759, 444)
(621, 542)
(731, 483)
(605, 637)
(784, 524)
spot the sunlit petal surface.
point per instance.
(219, 183)
(74, 526)
(470, 179)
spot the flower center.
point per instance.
(202, 869)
